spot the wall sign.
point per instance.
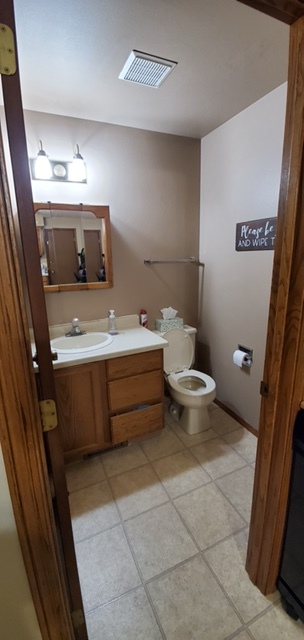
(255, 235)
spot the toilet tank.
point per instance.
(192, 331)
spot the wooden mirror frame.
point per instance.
(99, 211)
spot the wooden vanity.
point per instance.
(104, 403)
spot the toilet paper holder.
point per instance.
(248, 361)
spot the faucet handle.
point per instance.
(75, 322)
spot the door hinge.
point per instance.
(54, 356)
(263, 389)
(77, 619)
(7, 51)
(48, 414)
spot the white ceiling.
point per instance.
(71, 53)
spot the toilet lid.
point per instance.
(178, 355)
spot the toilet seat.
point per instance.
(178, 356)
(208, 382)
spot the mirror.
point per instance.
(74, 246)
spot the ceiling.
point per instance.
(71, 53)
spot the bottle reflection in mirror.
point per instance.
(81, 275)
(101, 274)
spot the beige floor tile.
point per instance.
(238, 487)
(138, 490)
(276, 625)
(222, 422)
(106, 568)
(159, 540)
(227, 560)
(180, 473)
(217, 457)
(241, 636)
(244, 442)
(92, 510)
(191, 605)
(84, 473)
(163, 444)
(123, 459)
(208, 515)
(190, 441)
(128, 618)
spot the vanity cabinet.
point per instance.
(104, 403)
(82, 409)
(135, 395)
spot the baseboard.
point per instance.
(236, 417)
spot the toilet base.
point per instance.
(195, 420)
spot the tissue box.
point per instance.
(165, 325)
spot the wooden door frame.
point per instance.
(283, 367)
(22, 446)
(28, 251)
(22, 441)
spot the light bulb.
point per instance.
(43, 169)
(77, 169)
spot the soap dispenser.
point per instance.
(112, 328)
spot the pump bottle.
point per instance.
(112, 328)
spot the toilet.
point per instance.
(191, 389)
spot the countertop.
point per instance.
(132, 338)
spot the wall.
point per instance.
(17, 613)
(151, 182)
(240, 177)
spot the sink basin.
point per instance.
(80, 344)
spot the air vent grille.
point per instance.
(142, 68)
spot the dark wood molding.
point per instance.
(28, 253)
(284, 368)
(235, 416)
(22, 445)
(287, 11)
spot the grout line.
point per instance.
(122, 595)
(235, 635)
(93, 535)
(170, 500)
(216, 544)
(231, 503)
(143, 581)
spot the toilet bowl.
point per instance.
(191, 389)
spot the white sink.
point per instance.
(80, 344)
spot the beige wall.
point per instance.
(17, 613)
(151, 182)
(240, 176)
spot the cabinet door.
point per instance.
(82, 409)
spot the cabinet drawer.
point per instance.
(137, 423)
(141, 389)
(134, 364)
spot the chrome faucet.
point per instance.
(75, 331)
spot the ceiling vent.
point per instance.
(145, 69)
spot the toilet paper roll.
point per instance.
(240, 357)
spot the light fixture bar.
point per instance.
(58, 170)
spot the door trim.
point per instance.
(22, 442)
(287, 12)
(283, 364)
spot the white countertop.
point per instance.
(132, 338)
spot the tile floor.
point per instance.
(161, 531)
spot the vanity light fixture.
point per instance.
(58, 170)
